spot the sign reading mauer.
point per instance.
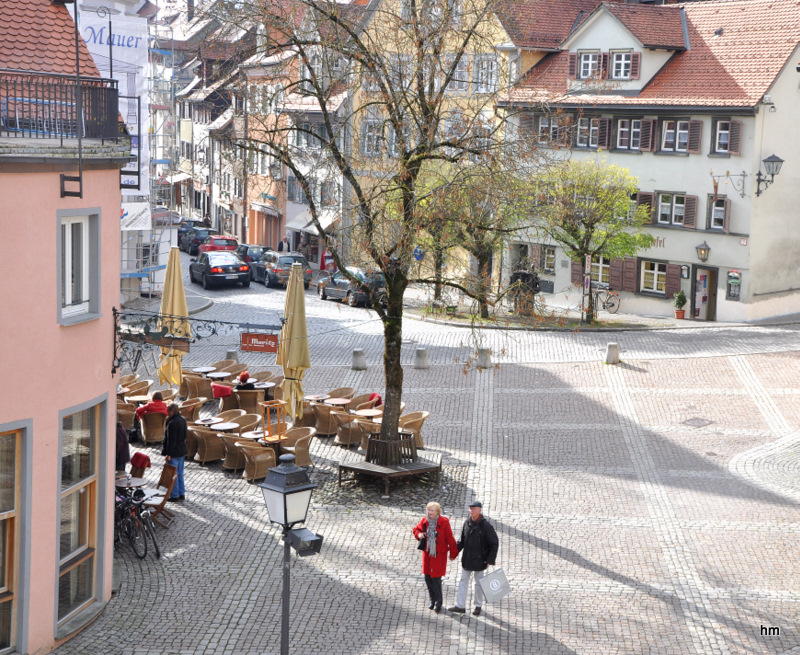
(259, 342)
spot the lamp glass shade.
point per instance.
(276, 508)
(772, 165)
(297, 506)
(702, 251)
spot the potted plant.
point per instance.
(680, 300)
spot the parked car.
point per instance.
(186, 225)
(193, 238)
(339, 286)
(250, 253)
(274, 267)
(217, 242)
(219, 267)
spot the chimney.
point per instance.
(190, 9)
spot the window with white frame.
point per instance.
(485, 73)
(589, 62)
(675, 136)
(671, 208)
(628, 133)
(654, 277)
(722, 136)
(549, 259)
(393, 143)
(10, 444)
(459, 82)
(329, 193)
(76, 265)
(78, 510)
(587, 133)
(717, 217)
(601, 269)
(621, 65)
(371, 135)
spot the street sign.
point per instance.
(588, 266)
(587, 283)
(258, 342)
(419, 253)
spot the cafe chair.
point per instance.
(234, 456)
(263, 376)
(412, 422)
(300, 450)
(247, 422)
(126, 417)
(157, 503)
(199, 387)
(230, 401)
(168, 395)
(222, 363)
(233, 369)
(348, 431)
(249, 399)
(355, 401)
(258, 460)
(190, 408)
(293, 435)
(342, 392)
(231, 414)
(326, 424)
(191, 443)
(139, 388)
(127, 380)
(308, 419)
(163, 482)
(210, 447)
(153, 426)
(368, 428)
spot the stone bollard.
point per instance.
(612, 353)
(232, 354)
(484, 358)
(420, 358)
(359, 360)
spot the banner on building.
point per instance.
(135, 216)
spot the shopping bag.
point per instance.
(495, 586)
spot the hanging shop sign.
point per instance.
(258, 342)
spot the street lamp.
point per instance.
(287, 495)
(702, 251)
(772, 165)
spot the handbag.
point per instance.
(422, 543)
(495, 586)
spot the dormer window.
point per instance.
(589, 64)
(621, 65)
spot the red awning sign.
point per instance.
(258, 342)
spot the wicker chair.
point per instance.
(228, 402)
(139, 388)
(234, 456)
(276, 392)
(190, 408)
(348, 432)
(191, 442)
(308, 419)
(325, 423)
(293, 435)
(370, 404)
(412, 422)
(233, 369)
(246, 422)
(168, 395)
(249, 399)
(127, 380)
(199, 387)
(258, 460)
(263, 376)
(231, 414)
(126, 417)
(153, 425)
(355, 401)
(342, 392)
(367, 428)
(300, 450)
(210, 447)
(222, 363)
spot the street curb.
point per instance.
(202, 308)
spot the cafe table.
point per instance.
(209, 421)
(129, 483)
(139, 400)
(225, 426)
(264, 385)
(203, 370)
(253, 434)
(368, 413)
(121, 391)
(337, 401)
(218, 375)
(274, 442)
(317, 398)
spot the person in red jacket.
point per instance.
(155, 405)
(438, 543)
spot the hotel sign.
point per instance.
(259, 342)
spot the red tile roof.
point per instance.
(37, 35)
(734, 68)
(541, 23)
(656, 27)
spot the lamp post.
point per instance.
(287, 495)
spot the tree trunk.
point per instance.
(484, 283)
(393, 370)
(438, 265)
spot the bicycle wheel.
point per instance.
(612, 303)
(136, 536)
(150, 529)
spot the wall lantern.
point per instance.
(772, 166)
(702, 251)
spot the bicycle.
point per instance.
(128, 522)
(605, 298)
(150, 529)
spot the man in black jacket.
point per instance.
(479, 545)
(174, 448)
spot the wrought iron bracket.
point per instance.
(736, 180)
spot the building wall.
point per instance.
(72, 363)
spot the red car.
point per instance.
(217, 242)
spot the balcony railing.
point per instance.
(45, 106)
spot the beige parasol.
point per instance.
(173, 307)
(293, 353)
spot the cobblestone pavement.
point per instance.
(649, 507)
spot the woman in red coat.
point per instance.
(439, 541)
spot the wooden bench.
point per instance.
(356, 463)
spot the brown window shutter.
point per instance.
(726, 220)
(636, 65)
(647, 136)
(615, 273)
(647, 198)
(695, 136)
(604, 133)
(630, 278)
(673, 282)
(535, 256)
(690, 212)
(735, 138)
(577, 273)
(604, 65)
(573, 65)
(526, 123)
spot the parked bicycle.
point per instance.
(605, 298)
(128, 522)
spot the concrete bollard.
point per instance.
(420, 358)
(232, 354)
(359, 360)
(612, 353)
(484, 358)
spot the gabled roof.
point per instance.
(653, 26)
(541, 24)
(37, 35)
(737, 49)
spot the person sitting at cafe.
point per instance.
(243, 384)
(157, 405)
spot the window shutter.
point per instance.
(526, 123)
(695, 135)
(577, 273)
(673, 282)
(604, 133)
(690, 212)
(603, 65)
(615, 273)
(573, 65)
(647, 198)
(735, 138)
(726, 220)
(647, 136)
(535, 256)
(636, 65)
(630, 268)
